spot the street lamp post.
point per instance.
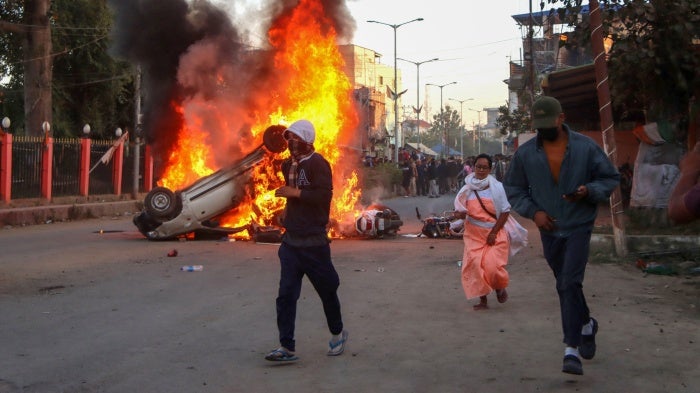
(395, 95)
(442, 118)
(418, 108)
(6, 124)
(478, 130)
(461, 120)
(46, 127)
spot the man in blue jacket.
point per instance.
(305, 248)
(558, 179)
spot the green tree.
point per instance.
(86, 85)
(446, 126)
(515, 122)
(654, 58)
(25, 56)
(89, 85)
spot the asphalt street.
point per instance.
(92, 306)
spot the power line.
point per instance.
(79, 84)
(78, 28)
(96, 81)
(59, 53)
(56, 27)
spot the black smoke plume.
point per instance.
(191, 51)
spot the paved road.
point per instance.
(92, 306)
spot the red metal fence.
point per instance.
(44, 167)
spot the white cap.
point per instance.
(304, 130)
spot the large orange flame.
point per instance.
(310, 84)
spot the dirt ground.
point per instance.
(92, 306)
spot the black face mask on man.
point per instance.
(299, 148)
(548, 134)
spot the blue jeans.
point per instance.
(316, 263)
(567, 257)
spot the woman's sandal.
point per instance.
(501, 295)
(281, 354)
(482, 305)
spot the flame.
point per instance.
(188, 161)
(310, 84)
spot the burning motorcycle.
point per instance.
(378, 221)
(444, 226)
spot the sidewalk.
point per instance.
(23, 212)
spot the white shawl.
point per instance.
(498, 193)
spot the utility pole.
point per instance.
(477, 130)
(461, 124)
(418, 106)
(395, 94)
(531, 64)
(606, 122)
(137, 133)
(442, 118)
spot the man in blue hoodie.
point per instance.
(305, 248)
(557, 180)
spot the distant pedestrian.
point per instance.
(422, 179)
(442, 175)
(453, 169)
(413, 186)
(406, 175)
(434, 190)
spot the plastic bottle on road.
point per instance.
(192, 268)
(658, 268)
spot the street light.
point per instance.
(461, 120)
(478, 130)
(86, 130)
(396, 94)
(6, 124)
(418, 108)
(442, 119)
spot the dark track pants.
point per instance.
(567, 257)
(316, 263)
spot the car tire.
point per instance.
(162, 204)
(273, 139)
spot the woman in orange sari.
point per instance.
(483, 203)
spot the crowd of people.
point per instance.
(423, 175)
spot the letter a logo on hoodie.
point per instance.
(302, 180)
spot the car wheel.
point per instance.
(273, 139)
(161, 203)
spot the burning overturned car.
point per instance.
(168, 214)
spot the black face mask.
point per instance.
(548, 134)
(299, 148)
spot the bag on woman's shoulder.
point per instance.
(517, 235)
